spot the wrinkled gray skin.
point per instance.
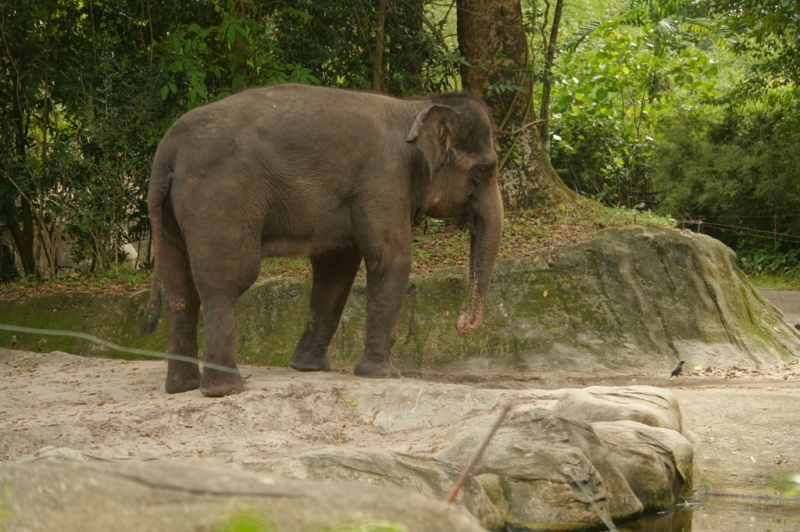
(297, 170)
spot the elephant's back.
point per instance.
(292, 129)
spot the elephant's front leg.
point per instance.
(333, 274)
(387, 279)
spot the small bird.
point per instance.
(677, 371)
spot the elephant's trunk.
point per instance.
(484, 243)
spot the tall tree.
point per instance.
(492, 39)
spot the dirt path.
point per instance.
(746, 427)
(788, 301)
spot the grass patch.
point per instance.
(244, 522)
(784, 280)
(437, 243)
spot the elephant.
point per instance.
(337, 175)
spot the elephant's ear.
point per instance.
(432, 132)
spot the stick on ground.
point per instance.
(463, 478)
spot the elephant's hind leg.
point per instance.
(333, 273)
(224, 265)
(184, 309)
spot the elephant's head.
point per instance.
(456, 136)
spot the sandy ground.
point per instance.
(746, 427)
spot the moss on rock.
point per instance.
(633, 299)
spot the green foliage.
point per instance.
(768, 31)
(788, 484)
(212, 62)
(244, 521)
(787, 280)
(336, 39)
(87, 90)
(608, 97)
(736, 168)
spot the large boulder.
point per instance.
(425, 475)
(631, 300)
(656, 462)
(193, 495)
(649, 405)
(545, 472)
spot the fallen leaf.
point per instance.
(350, 401)
(544, 294)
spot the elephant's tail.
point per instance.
(150, 314)
(160, 183)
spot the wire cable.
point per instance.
(115, 347)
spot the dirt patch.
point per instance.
(788, 301)
(745, 429)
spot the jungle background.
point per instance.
(674, 113)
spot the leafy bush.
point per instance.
(608, 97)
(735, 168)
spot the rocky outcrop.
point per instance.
(651, 406)
(630, 300)
(542, 470)
(427, 476)
(194, 495)
(552, 471)
(656, 462)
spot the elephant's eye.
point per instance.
(484, 172)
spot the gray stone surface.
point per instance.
(651, 406)
(192, 495)
(553, 473)
(656, 462)
(632, 300)
(424, 475)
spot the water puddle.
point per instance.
(723, 515)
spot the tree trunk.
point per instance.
(23, 239)
(491, 37)
(547, 82)
(239, 48)
(380, 39)
(8, 267)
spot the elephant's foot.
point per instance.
(182, 377)
(376, 369)
(304, 361)
(217, 383)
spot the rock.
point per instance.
(656, 462)
(427, 476)
(553, 473)
(193, 495)
(61, 453)
(631, 300)
(649, 405)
